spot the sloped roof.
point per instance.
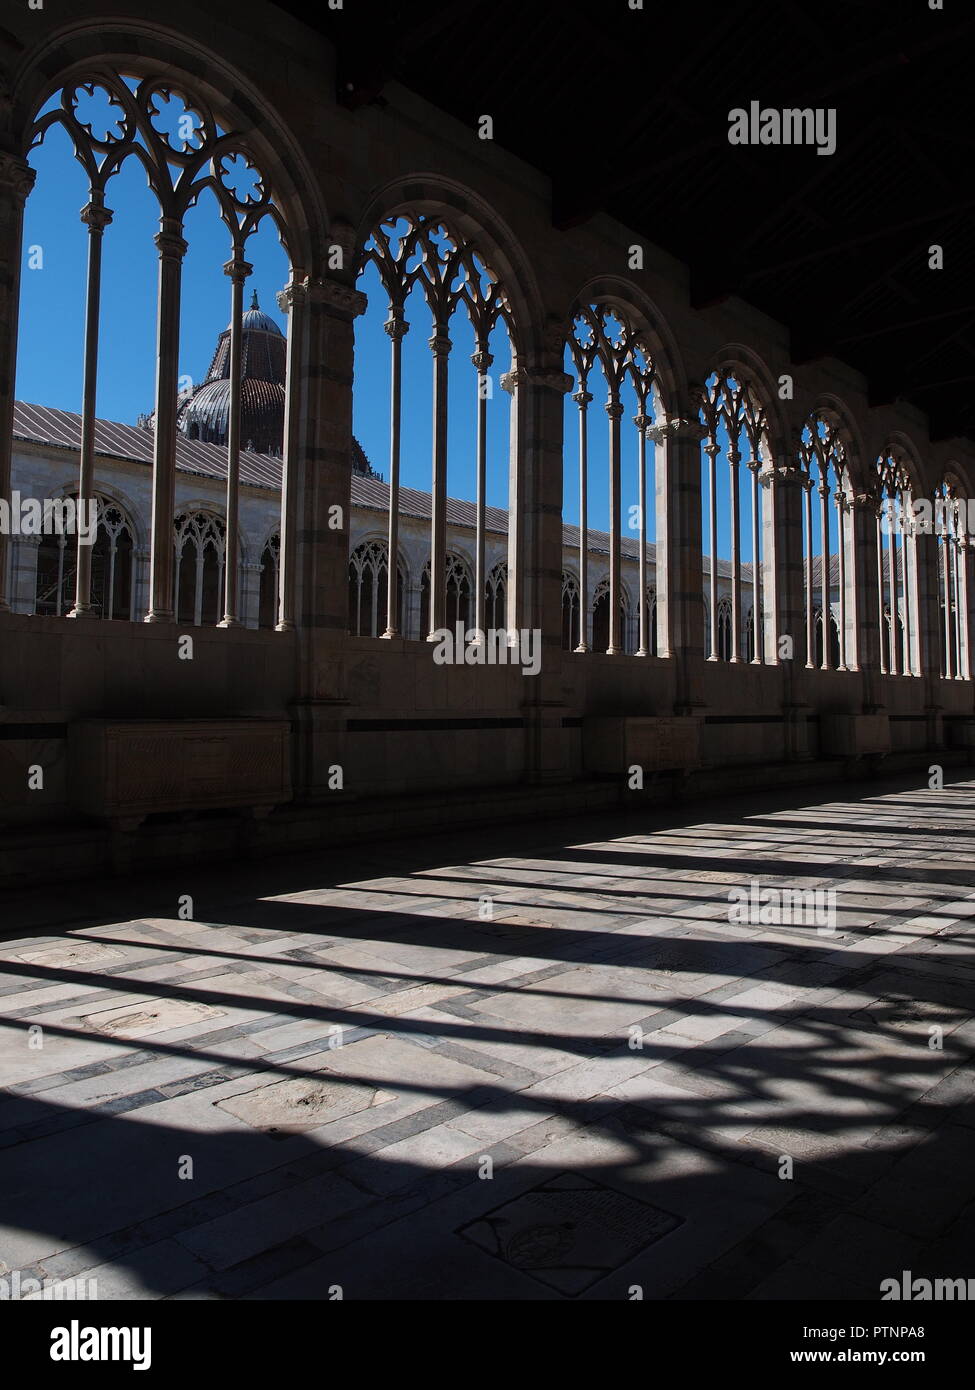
(41, 424)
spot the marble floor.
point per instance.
(542, 1062)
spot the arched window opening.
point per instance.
(112, 119)
(652, 612)
(427, 270)
(601, 630)
(736, 427)
(369, 591)
(828, 559)
(111, 566)
(749, 643)
(897, 567)
(832, 662)
(199, 568)
(950, 524)
(496, 597)
(570, 613)
(458, 592)
(725, 620)
(270, 570)
(605, 344)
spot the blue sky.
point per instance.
(52, 334)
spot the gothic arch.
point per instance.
(902, 447)
(109, 492)
(76, 50)
(746, 365)
(214, 507)
(472, 217)
(639, 309)
(839, 414)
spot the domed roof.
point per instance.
(205, 412)
(206, 415)
(255, 319)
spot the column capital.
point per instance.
(481, 360)
(96, 216)
(582, 398)
(169, 243)
(440, 344)
(336, 296)
(787, 470)
(641, 421)
(614, 409)
(237, 268)
(294, 292)
(16, 176)
(687, 427)
(396, 327)
(547, 380)
(865, 501)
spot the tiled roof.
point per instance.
(40, 424)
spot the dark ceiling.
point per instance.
(628, 111)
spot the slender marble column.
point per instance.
(965, 645)
(96, 217)
(642, 423)
(945, 557)
(893, 589)
(482, 360)
(734, 458)
(882, 637)
(810, 610)
(582, 399)
(825, 565)
(712, 451)
(16, 182)
(440, 346)
(754, 465)
(291, 301)
(959, 613)
(172, 249)
(396, 328)
(615, 412)
(842, 526)
(238, 270)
